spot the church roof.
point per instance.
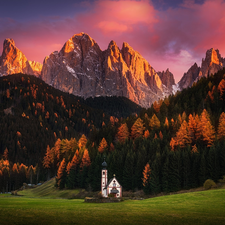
(111, 181)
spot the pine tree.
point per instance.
(103, 145)
(128, 172)
(155, 186)
(5, 154)
(137, 128)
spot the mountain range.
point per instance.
(83, 69)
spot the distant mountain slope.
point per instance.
(34, 115)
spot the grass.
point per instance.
(47, 190)
(206, 207)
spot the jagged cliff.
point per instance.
(212, 63)
(14, 61)
(83, 69)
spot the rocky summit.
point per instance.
(212, 63)
(14, 61)
(83, 69)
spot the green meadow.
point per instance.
(205, 207)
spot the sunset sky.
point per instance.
(169, 34)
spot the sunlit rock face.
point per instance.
(212, 63)
(167, 79)
(14, 61)
(83, 69)
(189, 77)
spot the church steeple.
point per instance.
(104, 180)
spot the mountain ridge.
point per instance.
(83, 69)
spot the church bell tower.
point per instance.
(104, 180)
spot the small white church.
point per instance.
(111, 187)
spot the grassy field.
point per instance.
(47, 190)
(206, 207)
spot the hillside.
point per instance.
(176, 144)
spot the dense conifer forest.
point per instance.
(176, 144)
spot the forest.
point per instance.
(175, 144)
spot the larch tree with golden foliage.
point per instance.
(103, 145)
(86, 161)
(183, 137)
(221, 87)
(61, 174)
(146, 134)
(208, 131)
(221, 127)
(122, 133)
(192, 126)
(137, 128)
(146, 175)
(154, 122)
(82, 142)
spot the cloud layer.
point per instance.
(172, 38)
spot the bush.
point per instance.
(222, 180)
(209, 184)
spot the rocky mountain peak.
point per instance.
(167, 78)
(8, 41)
(211, 64)
(14, 61)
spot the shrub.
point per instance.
(222, 180)
(209, 184)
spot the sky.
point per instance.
(168, 34)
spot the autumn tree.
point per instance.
(146, 177)
(160, 135)
(111, 148)
(208, 131)
(82, 141)
(103, 145)
(221, 87)
(146, 134)
(192, 126)
(137, 128)
(72, 171)
(166, 124)
(61, 174)
(122, 133)
(48, 160)
(154, 122)
(221, 127)
(86, 161)
(182, 136)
